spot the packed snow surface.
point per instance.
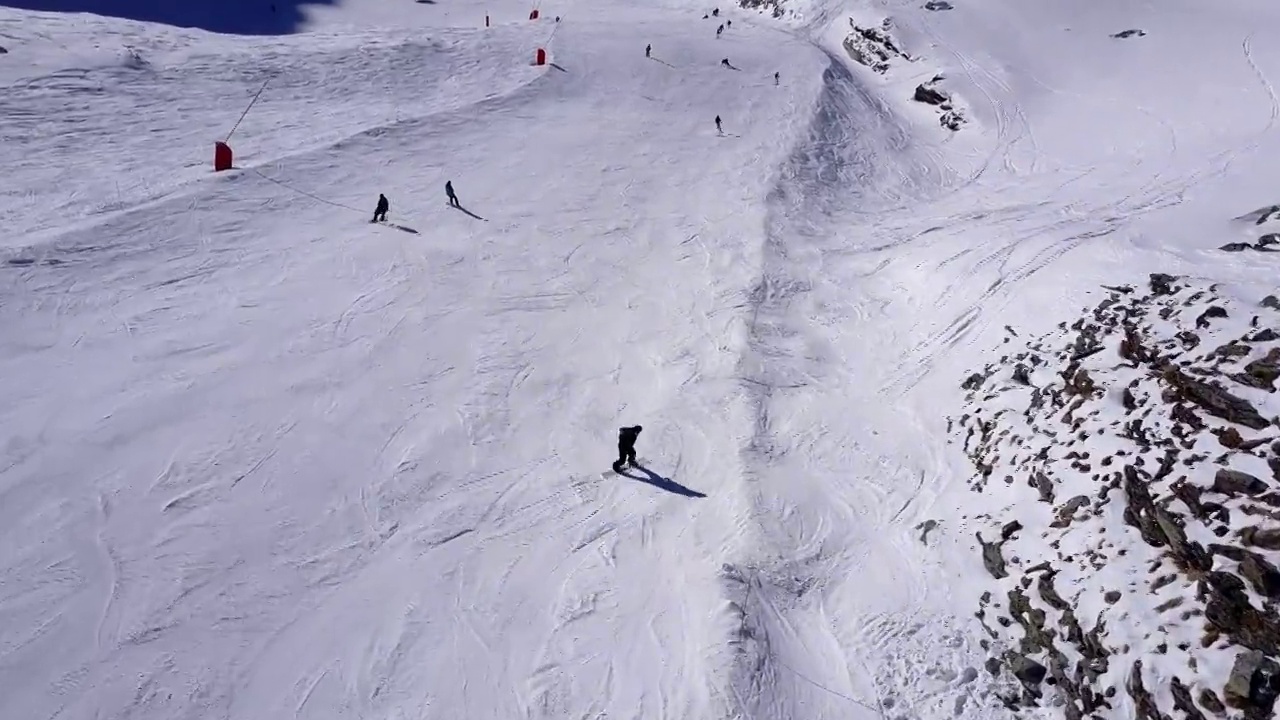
(262, 458)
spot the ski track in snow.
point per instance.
(259, 457)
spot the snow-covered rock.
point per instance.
(1136, 457)
(873, 47)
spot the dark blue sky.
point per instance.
(243, 17)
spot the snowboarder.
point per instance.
(380, 212)
(626, 447)
(648, 49)
(775, 78)
(448, 190)
(718, 125)
(719, 30)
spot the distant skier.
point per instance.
(719, 30)
(448, 190)
(380, 212)
(728, 23)
(716, 12)
(647, 50)
(775, 78)
(718, 125)
(725, 62)
(626, 447)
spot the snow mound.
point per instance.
(1136, 456)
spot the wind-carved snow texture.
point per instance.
(1137, 456)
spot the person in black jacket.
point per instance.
(448, 191)
(626, 447)
(380, 212)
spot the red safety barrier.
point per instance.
(540, 58)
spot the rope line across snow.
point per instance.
(300, 191)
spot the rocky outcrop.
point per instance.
(1253, 685)
(1267, 214)
(873, 47)
(930, 93)
(876, 48)
(773, 7)
(1268, 243)
(1147, 432)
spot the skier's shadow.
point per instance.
(404, 228)
(652, 478)
(459, 207)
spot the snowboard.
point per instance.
(610, 473)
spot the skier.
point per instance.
(380, 212)
(648, 49)
(775, 78)
(728, 23)
(626, 447)
(448, 190)
(716, 12)
(725, 62)
(719, 30)
(718, 125)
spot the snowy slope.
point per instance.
(262, 458)
(287, 462)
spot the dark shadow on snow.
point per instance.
(459, 207)
(235, 17)
(664, 62)
(656, 480)
(405, 228)
(558, 67)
